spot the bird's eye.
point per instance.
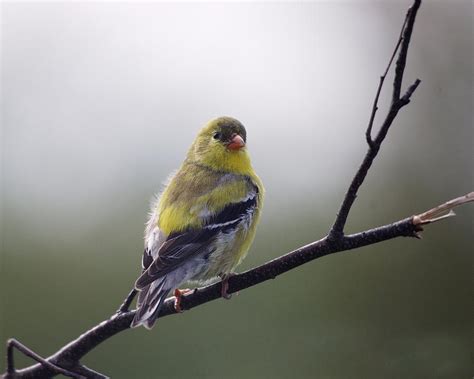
(216, 135)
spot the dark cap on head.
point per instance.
(225, 128)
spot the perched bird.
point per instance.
(204, 221)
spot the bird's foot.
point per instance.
(178, 294)
(225, 285)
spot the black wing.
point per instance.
(179, 247)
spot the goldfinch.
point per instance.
(204, 222)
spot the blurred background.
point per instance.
(100, 102)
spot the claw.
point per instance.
(225, 285)
(178, 294)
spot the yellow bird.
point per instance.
(204, 221)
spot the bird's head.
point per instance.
(221, 145)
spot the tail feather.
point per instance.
(150, 300)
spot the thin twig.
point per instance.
(402, 57)
(88, 373)
(337, 230)
(127, 302)
(368, 133)
(442, 211)
(13, 343)
(405, 99)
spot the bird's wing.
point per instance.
(147, 259)
(181, 246)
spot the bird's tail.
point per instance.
(150, 300)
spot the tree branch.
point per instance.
(70, 355)
(368, 133)
(337, 230)
(67, 360)
(14, 344)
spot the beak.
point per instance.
(236, 143)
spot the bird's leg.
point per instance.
(225, 285)
(178, 294)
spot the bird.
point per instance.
(202, 225)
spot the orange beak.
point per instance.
(236, 143)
